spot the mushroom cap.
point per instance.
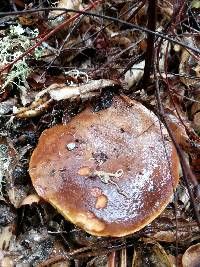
(111, 172)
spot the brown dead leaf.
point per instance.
(19, 3)
(196, 122)
(30, 199)
(150, 253)
(179, 130)
(171, 230)
(16, 194)
(189, 65)
(195, 165)
(195, 113)
(196, 105)
(27, 20)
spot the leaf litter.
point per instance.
(92, 59)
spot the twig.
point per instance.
(62, 45)
(149, 56)
(131, 25)
(52, 32)
(187, 173)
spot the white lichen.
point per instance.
(13, 45)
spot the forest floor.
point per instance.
(148, 51)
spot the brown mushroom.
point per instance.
(110, 172)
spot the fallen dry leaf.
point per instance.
(30, 199)
(150, 253)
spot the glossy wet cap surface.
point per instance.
(107, 172)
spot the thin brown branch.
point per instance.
(131, 25)
(187, 173)
(48, 35)
(149, 56)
